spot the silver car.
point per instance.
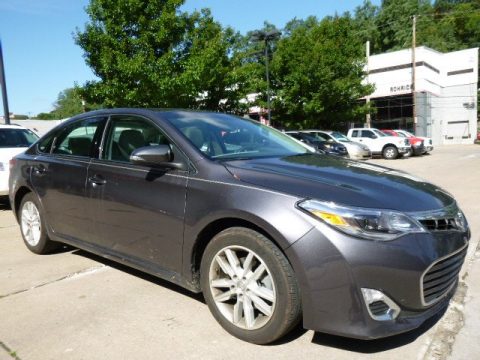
(355, 150)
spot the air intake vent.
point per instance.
(439, 224)
(441, 276)
(378, 308)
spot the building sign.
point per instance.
(400, 88)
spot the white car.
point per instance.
(390, 147)
(355, 150)
(13, 140)
(427, 142)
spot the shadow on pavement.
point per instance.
(378, 345)
(140, 274)
(334, 341)
(4, 204)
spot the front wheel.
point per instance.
(249, 286)
(32, 225)
(390, 152)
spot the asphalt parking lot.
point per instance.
(73, 305)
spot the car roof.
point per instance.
(11, 126)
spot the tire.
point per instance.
(390, 152)
(33, 228)
(269, 285)
(409, 153)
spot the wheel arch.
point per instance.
(208, 232)
(19, 195)
(389, 144)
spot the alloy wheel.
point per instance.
(31, 223)
(242, 287)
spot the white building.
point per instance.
(446, 89)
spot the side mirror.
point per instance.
(159, 156)
(373, 136)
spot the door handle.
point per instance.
(39, 170)
(97, 180)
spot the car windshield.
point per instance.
(340, 137)
(222, 136)
(379, 133)
(409, 134)
(12, 138)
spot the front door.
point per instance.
(58, 177)
(141, 209)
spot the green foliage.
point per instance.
(319, 70)
(445, 25)
(149, 54)
(46, 116)
(69, 102)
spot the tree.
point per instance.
(69, 103)
(319, 71)
(149, 54)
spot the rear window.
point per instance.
(12, 138)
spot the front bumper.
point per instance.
(360, 155)
(418, 150)
(332, 268)
(428, 148)
(403, 149)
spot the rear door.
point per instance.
(59, 175)
(139, 210)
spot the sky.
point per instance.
(41, 58)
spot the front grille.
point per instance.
(439, 224)
(378, 308)
(441, 276)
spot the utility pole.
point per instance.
(266, 37)
(4, 87)
(269, 112)
(414, 86)
(368, 118)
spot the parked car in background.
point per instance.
(355, 150)
(14, 139)
(427, 142)
(324, 144)
(417, 147)
(390, 147)
(270, 232)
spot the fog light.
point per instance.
(380, 307)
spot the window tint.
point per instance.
(11, 138)
(340, 137)
(367, 134)
(127, 133)
(77, 138)
(355, 133)
(45, 143)
(320, 136)
(222, 136)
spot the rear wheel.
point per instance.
(390, 152)
(32, 225)
(249, 286)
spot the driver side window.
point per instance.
(128, 133)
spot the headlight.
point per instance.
(372, 224)
(461, 221)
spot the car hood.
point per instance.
(354, 145)
(343, 181)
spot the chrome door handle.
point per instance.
(39, 170)
(97, 180)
